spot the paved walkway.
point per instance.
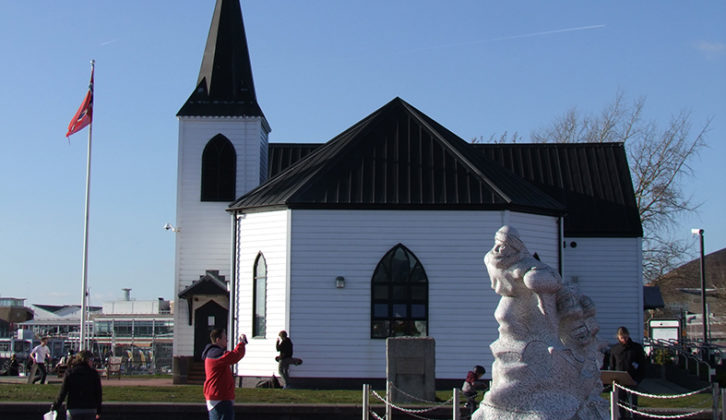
(661, 387)
(124, 381)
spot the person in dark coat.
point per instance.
(628, 356)
(284, 359)
(82, 387)
(13, 367)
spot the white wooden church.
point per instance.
(379, 232)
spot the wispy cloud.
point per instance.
(103, 44)
(711, 49)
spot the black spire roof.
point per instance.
(225, 87)
(398, 158)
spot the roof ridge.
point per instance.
(315, 169)
(331, 174)
(350, 131)
(475, 168)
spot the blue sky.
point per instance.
(477, 67)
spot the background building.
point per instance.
(681, 291)
(141, 331)
(12, 312)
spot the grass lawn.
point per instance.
(193, 394)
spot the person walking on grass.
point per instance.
(82, 387)
(219, 384)
(285, 359)
(40, 355)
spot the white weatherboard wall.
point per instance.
(265, 233)
(204, 238)
(609, 271)
(330, 327)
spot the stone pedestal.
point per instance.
(180, 369)
(411, 368)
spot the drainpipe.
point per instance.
(561, 247)
(232, 324)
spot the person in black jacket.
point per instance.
(82, 387)
(284, 359)
(13, 367)
(628, 356)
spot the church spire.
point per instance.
(225, 86)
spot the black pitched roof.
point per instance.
(225, 86)
(211, 283)
(281, 156)
(591, 179)
(398, 158)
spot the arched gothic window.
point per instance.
(399, 296)
(259, 297)
(219, 170)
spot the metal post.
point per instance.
(456, 414)
(84, 277)
(699, 232)
(723, 404)
(389, 398)
(716, 395)
(685, 363)
(614, 409)
(366, 392)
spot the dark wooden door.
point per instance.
(211, 315)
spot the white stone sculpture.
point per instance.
(547, 357)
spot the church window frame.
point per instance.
(399, 296)
(219, 170)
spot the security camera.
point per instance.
(171, 227)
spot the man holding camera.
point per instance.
(219, 384)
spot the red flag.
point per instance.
(84, 115)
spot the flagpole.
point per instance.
(84, 291)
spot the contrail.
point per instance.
(555, 31)
(504, 38)
(476, 42)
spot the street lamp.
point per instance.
(699, 232)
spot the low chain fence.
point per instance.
(617, 403)
(423, 413)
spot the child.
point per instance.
(469, 387)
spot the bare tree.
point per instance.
(503, 138)
(659, 162)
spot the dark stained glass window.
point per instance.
(219, 170)
(399, 296)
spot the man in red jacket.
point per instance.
(219, 384)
